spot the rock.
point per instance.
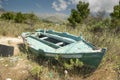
(66, 72)
(8, 79)
(1, 59)
(19, 37)
(14, 59)
(6, 65)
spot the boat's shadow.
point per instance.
(55, 65)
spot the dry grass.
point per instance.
(108, 69)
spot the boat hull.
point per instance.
(92, 59)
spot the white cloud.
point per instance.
(100, 5)
(74, 1)
(60, 5)
(94, 5)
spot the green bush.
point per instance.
(8, 16)
(36, 71)
(115, 25)
(115, 21)
(100, 26)
(72, 64)
(19, 18)
(31, 19)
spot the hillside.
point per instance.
(1, 11)
(55, 18)
(24, 66)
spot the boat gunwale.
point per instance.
(79, 38)
(100, 51)
(76, 53)
(94, 54)
(59, 47)
(64, 33)
(68, 40)
(103, 50)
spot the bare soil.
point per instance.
(13, 67)
(17, 68)
(10, 41)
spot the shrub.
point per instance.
(100, 26)
(36, 72)
(115, 15)
(72, 64)
(19, 18)
(8, 16)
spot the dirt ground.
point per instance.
(10, 41)
(14, 67)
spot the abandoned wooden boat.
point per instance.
(51, 43)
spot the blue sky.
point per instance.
(55, 6)
(37, 6)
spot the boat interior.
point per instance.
(53, 40)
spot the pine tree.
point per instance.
(79, 14)
(116, 12)
(115, 18)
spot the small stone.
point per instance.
(8, 79)
(66, 72)
(6, 65)
(19, 37)
(1, 59)
(23, 71)
(18, 64)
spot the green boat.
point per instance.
(51, 43)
